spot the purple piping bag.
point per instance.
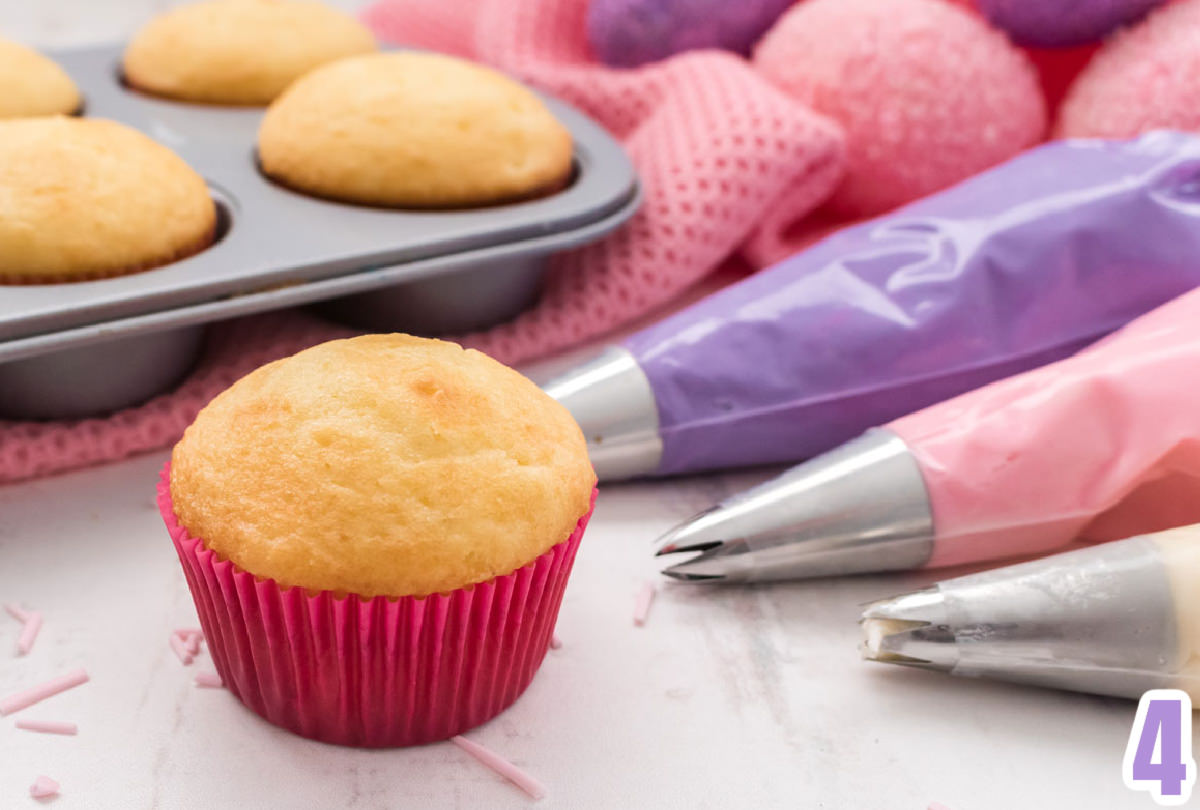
(1012, 269)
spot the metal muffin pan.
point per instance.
(426, 271)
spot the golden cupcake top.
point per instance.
(86, 198)
(382, 465)
(413, 130)
(239, 51)
(31, 84)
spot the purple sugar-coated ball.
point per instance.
(628, 33)
(1062, 23)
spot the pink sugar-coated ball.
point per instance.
(628, 33)
(1062, 23)
(1147, 77)
(926, 92)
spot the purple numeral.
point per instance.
(1163, 727)
(1164, 722)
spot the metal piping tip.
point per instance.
(717, 558)
(926, 605)
(682, 573)
(877, 639)
(716, 561)
(910, 630)
(857, 509)
(703, 532)
(614, 404)
(1098, 620)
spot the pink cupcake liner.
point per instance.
(374, 672)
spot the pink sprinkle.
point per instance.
(48, 726)
(23, 700)
(209, 680)
(502, 766)
(937, 806)
(641, 605)
(29, 632)
(555, 641)
(43, 788)
(181, 650)
(190, 637)
(16, 612)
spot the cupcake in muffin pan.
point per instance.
(33, 84)
(511, 177)
(414, 130)
(242, 52)
(86, 198)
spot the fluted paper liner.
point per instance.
(379, 671)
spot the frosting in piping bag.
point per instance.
(1015, 268)
(1099, 446)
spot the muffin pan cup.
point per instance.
(374, 672)
(426, 271)
(100, 377)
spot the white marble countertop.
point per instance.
(727, 698)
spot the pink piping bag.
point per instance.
(1102, 445)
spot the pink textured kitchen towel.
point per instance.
(718, 149)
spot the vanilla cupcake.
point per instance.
(377, 533)
(242, 52)
(413, 130)
(31, 84)
(86, 198)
